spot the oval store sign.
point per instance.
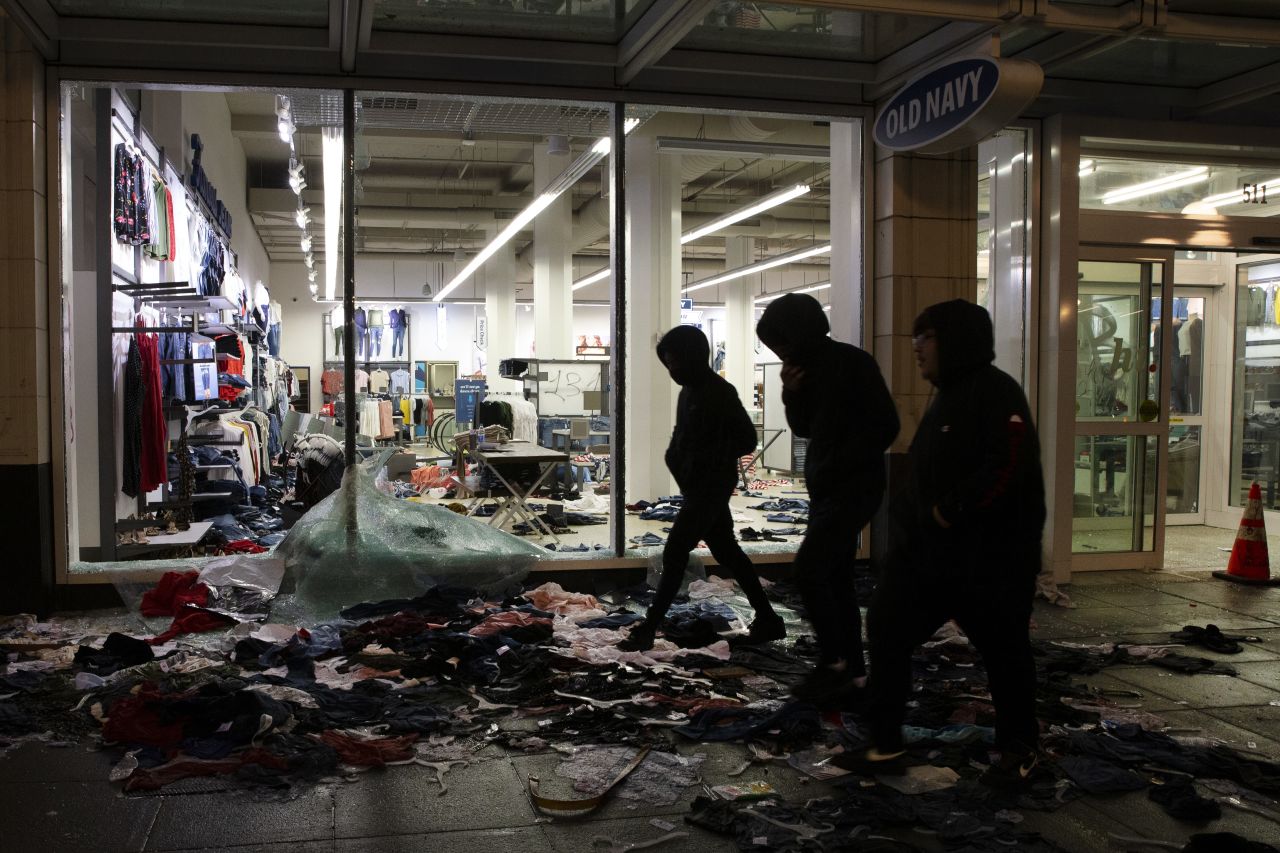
(957, 104)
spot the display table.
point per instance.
(513, 502)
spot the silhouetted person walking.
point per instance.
(836, 398)
(712, 432)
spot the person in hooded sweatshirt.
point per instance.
(965, 541)
(712, 432)
(836, 398)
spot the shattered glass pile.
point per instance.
(360, 545)
(449, 676)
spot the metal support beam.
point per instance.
(357, 18)
(38, 21)
(659, 29)
(801, 69)
(350, 417)
(901, 65)
(738, 148)
(618, 323)
(1234, 91)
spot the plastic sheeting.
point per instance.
(361, 545)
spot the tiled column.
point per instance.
(25, 460)
(925, 252)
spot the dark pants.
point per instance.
(824, 574)
(397, 341)
(706, 520)
(906, 610)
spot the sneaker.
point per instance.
(1013, 770)
(824, 684)
(640, 639)
(873, 762)
(765, 629)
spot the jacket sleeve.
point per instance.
(798, 405)
(1003, 453)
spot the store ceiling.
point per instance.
(1193, 60)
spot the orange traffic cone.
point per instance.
(1249, 563)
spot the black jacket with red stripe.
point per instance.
(975, 457)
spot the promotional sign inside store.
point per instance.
(957, 104)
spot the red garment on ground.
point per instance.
(192, 621)
(369, 753)
(154, 778)
(242, 546)
(155, 432)
(173, 592)
(135, 719)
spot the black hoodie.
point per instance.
(842, 407)
(712, 428)
(975, 455)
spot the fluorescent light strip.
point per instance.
(562, 182)
(814, 288)
(598, 275)
(760, 266)
(1088, 167)
(1235, 196)
(333, 156)
(1181, 179)
(772, 200)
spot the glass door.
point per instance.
(1188, 436)
(1122, 423)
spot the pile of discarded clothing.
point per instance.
(436, 678)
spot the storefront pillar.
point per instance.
(552, 262)
(653, 295)
(925, 252)
(740, 335)
(499, 308)
(846, 293)
(26, 457)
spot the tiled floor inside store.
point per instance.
(59, 799)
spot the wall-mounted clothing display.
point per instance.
(399, 321)
(379, 381)
(331, 382)
(131, 219)
(362, 380)
(360, 321)
(401, 381)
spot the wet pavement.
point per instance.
(59, 798)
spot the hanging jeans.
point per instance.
(273, 339)
(397, 341)
(362, 339)
(375, 341)
(337, 340)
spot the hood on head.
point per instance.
(965, 337)
(794, 320)
(688, 349)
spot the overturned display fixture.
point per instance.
(361, 545)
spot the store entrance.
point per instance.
(1195, 315)
(1122, 410)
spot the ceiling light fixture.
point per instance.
(284, 119)
(1088, 167)
(566, 179)
(760, 266)
(598, 275)
(1168, 182)
(813, 288)
(297, 182)
(331, 139)
(772, 200)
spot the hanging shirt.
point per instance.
(379, 381)
(400, 381)
(362, 380)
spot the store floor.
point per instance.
(59, 798)
(1192, 546)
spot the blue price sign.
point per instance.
(467, 394)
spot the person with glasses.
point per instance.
(835, 397)
(964, 542)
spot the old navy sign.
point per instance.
(957, 104)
